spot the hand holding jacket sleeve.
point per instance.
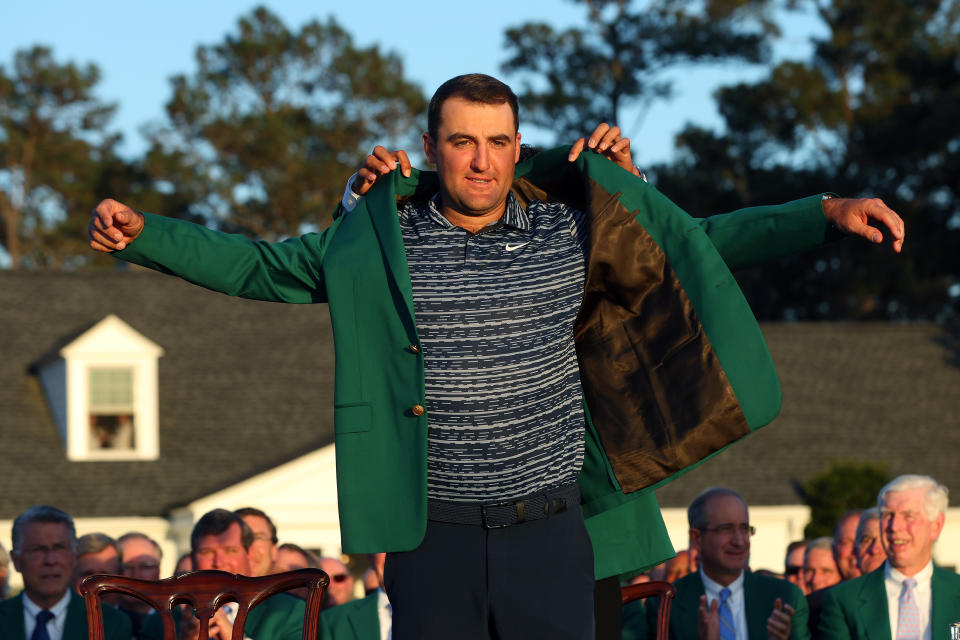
(113, 225)
(853, 215)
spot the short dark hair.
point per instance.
(41, 513)
(697, 511)
(313, 561)
(253, 511)
(473, 87)
(215, 522)
(95, 543)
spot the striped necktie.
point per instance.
(727, 630)
(908, 617)
(40, 631)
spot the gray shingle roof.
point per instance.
(858, 391)
(244, 386)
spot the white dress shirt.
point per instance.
(385, 613)
(893, 580)
(55, 624)
(735, 601)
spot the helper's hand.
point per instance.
(852, 215)
(113, 225)
(779, 622)
(379, 163)
(608, 142)
(708, 620)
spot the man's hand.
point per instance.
(379, 163)
(607, 141)
(113, 225)
(778, 624)
(708, 620)
(852, 215)
(220, 626)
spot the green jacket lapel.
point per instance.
(945, 595)
(75, 626)
(365, 619)
(11, 619)
(872, 612)
(756, 607)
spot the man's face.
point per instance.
(476, 150)
(843, 548)
(139, 559)
(223, 551)
(263, 551)
(106, 561)
(869, 548)
(724, 547)
(908, 536)
(820, 569)
(341, 582)
(289, 560)
(794, 568)
(46, 559)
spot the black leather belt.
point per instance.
(536, 506)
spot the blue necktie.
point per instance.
(727, 630)
(40, 631)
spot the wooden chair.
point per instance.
(656, 589)
(205, 591)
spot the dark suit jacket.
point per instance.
(759, 594)
(355, 620)
(858, 608)
(116, 626)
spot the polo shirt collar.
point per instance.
(514, 216)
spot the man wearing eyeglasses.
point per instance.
(45, 554)
(340, 590)
(263, 552)
(723, 600)
(140, 558)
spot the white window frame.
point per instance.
(112, 344)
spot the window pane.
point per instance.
(111, 388)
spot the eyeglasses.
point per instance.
(728, 529)
(143, 566)
(793, 570)
(57, 549)
(339, 577)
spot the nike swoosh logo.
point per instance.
(514, 247)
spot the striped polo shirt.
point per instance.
(495, 313)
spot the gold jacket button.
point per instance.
(417, 410)
(414, 348)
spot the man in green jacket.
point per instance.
(493, 298)
(724, 600)
(44, 552)
(907, 597)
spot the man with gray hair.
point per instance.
(724, 599)
(96, 553)
(819, 566)
(868, 547)
(44, 552)
(907, 597)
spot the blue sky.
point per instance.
(140, 45)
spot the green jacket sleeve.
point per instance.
(756, 235)
(800, 624)
(288, 271)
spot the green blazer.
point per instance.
(116, 626)
(858, 608)
(279, 617)
(354, 620)
(673, 365)
(759, 594)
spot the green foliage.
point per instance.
(872, 112)
(264, 136)
(845, 485)
(573, 79)
(54, 149)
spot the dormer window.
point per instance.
(102, 391)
